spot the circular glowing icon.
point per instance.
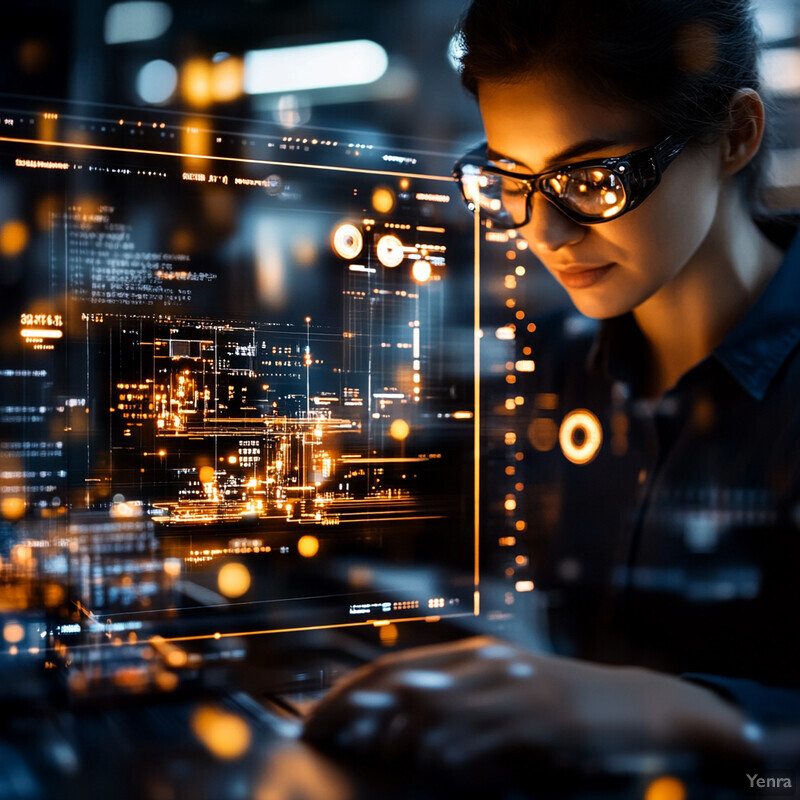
(580, 436)
(421, 271)
(390, 250)
(347, 241)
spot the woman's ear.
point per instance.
(745, 130)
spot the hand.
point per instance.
(484, 707)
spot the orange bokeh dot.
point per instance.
(308, 546)
(227, 736)
(13, 238)
(383, 199)
(399, 429)
(206, 474)
(665, 788)
(233, 579)
(12, 507)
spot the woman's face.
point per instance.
(607, 269)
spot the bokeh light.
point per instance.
(666, 788)
(226, 736)
(399, 429)
(383, 199)
(227, 76)
(233, 579)
(13, 238)
(13, 632)
(316, 66)
(196, 82)
(389, 634)
(308, 546)
(136, 21)
(421, 271)
(12, 507)
(157, 81)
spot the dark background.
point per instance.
(57, 49)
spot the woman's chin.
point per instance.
(598, 307)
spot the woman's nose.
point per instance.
(549, 229)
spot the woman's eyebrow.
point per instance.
(570, 153)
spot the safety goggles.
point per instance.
(588, 192)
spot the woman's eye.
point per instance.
(513, 190)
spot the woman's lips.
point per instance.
(580, 276)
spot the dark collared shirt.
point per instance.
(677, 546)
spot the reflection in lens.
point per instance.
(472, 182)
(591, 192)
(501, 199)
(515, 200)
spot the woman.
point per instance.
(624, 143)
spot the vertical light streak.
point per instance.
(477, 393)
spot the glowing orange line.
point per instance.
(40, 333)
(198, 637)
(233, 159)
(308, 628)
(477, 397)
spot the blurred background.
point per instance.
(211, 56)
(391, 72)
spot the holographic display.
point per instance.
(237, 386)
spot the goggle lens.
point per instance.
(500, 199)
(587, 192)
(591, 192)
(594, 192)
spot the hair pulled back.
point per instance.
(678, 61)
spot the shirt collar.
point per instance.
(753, 351)
(758, 345)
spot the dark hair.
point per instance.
(678, 61)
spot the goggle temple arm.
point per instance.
(643, 177)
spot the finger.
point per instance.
(425, 667)
(389, 705)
